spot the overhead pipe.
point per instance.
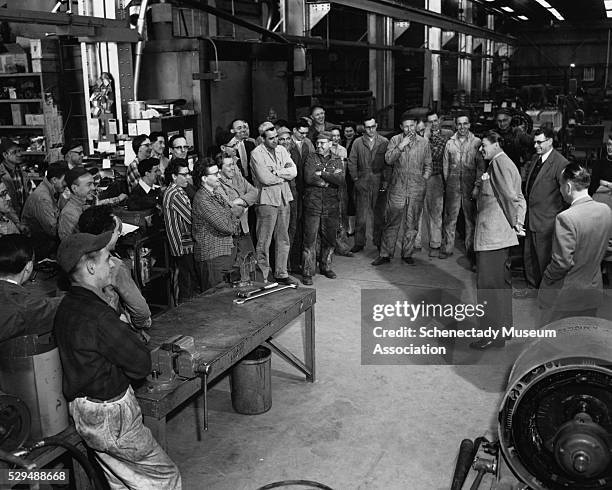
(140, 45)
(198, 5)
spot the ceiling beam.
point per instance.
(422, 16)
(95, 29)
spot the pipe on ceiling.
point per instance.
(198, 5)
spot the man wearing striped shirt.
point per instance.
(176, 207)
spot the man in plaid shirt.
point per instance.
(13, 178)
(215, 222)
(142, 147)
(176, 208)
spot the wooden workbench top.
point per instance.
(224, 331)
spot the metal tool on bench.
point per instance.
(172, 360)
(248, 295)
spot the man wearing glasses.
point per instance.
(544, 202)
(142, 147)
(73, 154)
(366, 165)
(179, 149)
(176, 207)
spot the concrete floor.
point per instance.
(358, 426)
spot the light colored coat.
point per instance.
(271, 175)
(572, 279)
(493, 230)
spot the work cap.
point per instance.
(73, 174)
(7, 144)
(283, 130)
(70, 145)
(324, 135)
(73, 247)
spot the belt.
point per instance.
(110, 400)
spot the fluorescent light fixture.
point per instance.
(556, 13)
(608, 4)
(523, 17)
(507, 9)
(544, 4)
(609, 14)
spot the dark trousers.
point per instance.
(295, 234)
(211, 271)
(494, 286)
(187, 280)
(325, 225)
(243, 244)
(536, 256)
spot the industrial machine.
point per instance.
(555, 419)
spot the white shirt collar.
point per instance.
(147, 188)
(582, 196)
(546, 155)
(496, 155)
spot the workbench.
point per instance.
(224, 333)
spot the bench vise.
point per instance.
(175, 357)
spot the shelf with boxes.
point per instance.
(28, 111)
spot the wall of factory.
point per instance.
(545, 56)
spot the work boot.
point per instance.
(408, 260)
(381, 260)
(307, 280)
(330, 274)
(356, 248)
(434, 252)
(287, 281)
(445, 255)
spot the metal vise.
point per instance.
(175, 357)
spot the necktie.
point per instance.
(534, 175)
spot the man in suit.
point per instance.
(571, 284)
(500, 218)
(544, 202)
(243, 144)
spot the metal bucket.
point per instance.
(30, 369)
(252, 384)
(135, 107)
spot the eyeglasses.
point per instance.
(370, 127)
(540, 143)
(15, 152)
(303, 133)
(184, 173)
(183, 148)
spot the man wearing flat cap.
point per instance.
(82, 188)
(73, 154)
(100, 356)
(323, 177)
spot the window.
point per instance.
(588, 75)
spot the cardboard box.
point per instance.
(14, 59)
(35, 119)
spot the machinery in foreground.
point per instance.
(555, 419)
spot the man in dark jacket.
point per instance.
(544, 202)
(21, 312)
(146, 194)
(100, 355)
(323, 175)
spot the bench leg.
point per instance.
(158, 429)
(309, 345)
